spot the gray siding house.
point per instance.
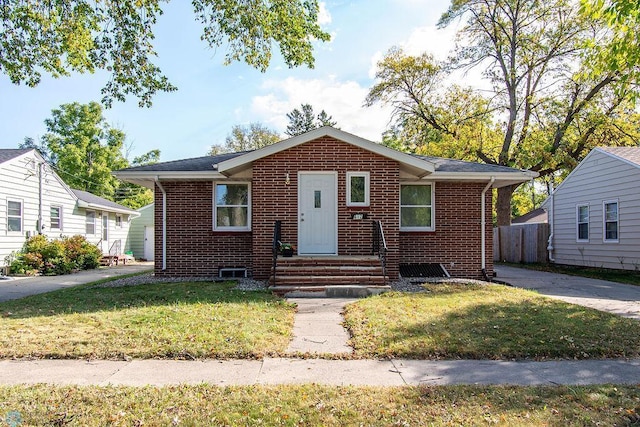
(34, 199)
(594, 214)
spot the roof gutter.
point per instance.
(483, 231)
(164, 223)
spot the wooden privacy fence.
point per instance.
(525, 243)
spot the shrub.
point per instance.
(56, 256)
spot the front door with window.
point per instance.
(317, 213)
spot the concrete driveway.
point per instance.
(19, 287)
(616, 298)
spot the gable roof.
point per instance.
(7, 154)
(89, 200)
(536, 216)
(225, 165)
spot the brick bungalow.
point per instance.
(331, 193)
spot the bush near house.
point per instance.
(54, 257)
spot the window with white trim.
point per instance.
(55, 217)
(582, 221)
(357, 188)
(14, 216)
(90, 222)
(231, 209)
(611, 220)
(416, 207)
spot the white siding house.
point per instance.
(141, 234)
(33, 199)
(595, 212)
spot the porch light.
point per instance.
(287, 180)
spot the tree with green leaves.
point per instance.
(304, 119)
(246, 138)
(547, 107)
(84, 148)
(65, 36)
(132, 195)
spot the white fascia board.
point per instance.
(423, 165)
(169, 175)
(501, 178)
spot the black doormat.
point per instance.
(423, 270)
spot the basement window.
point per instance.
(232, 273)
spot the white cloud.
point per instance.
(324, 17)
(342, 100)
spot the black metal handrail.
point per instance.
(379, 246)
(277, 233)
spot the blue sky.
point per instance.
(212, 97)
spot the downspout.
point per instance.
(164, 223)
(40, 227)
(483, 232)
(551, 222)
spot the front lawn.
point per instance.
(166, 320)
(314, 405)
(452, 321)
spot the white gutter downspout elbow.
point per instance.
(483, 223)
(551, 223)
(164, 223)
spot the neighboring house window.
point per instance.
(582, 213)
(357, 188)
(231, 206)
(90, 222)
(416, 207)
(611, 221)
(14, 216)
(55, 216)
(118, 221)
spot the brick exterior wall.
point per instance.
(278, 201)
(457, 236)
(194, 249)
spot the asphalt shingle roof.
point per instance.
(206, 163)
(452, 165)
(7, 154)
(197, 164)
(631, 154)
(93, 199)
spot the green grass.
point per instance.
(312, 405)
(168, 320)
(453, 321)
(620, 276)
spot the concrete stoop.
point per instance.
(329, 291)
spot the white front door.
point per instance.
(317, 213)
(148, 243)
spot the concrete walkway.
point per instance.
(395, 372)
(317, 327)
(19, 287)
(617, 298)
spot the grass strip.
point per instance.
(469, 321)
(302, 405)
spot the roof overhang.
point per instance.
(501, 179)
(411, 164)
(99, 207)
(147, 178)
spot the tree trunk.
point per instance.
(503, 204)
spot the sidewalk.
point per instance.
(395, 372)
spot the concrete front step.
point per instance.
(329, 270)
(331, 291)
(324, 280)
(326, 261)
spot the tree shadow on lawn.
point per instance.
(532, 329)
(96, 299)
